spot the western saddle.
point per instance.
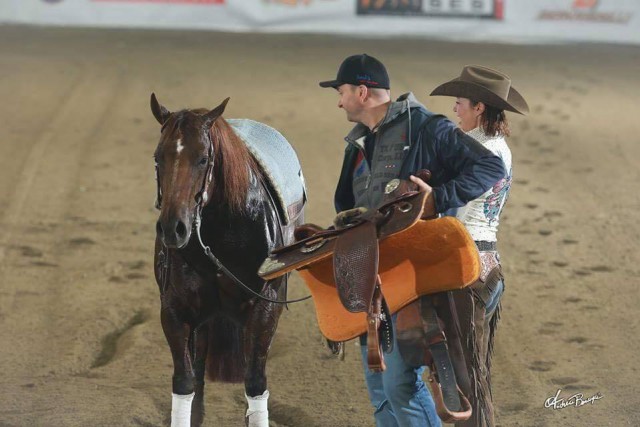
(374, 263)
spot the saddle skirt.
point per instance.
(279, 163)
(430, 256)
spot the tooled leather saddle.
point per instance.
(356, 288)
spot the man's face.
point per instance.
(349, 101)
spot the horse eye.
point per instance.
(203, 161)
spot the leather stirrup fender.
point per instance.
(421, 341)
(410, 335)
(446, 311)
(355, 266)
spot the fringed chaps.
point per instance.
(477, 335)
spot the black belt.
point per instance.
(484, 246)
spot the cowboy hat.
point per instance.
(488, 86)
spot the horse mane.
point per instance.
(232, 166)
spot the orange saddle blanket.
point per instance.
(431, 256)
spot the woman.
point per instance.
(482, 97)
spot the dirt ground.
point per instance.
(79, 309)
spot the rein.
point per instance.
(201, 199)
(230, 275)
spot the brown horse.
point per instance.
(210, 185)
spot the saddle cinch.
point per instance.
(375, 263)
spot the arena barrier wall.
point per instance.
(508, 21)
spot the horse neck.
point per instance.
(227, 229)
(233, 167)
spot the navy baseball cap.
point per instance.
(360, 70)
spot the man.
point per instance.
(394, 140)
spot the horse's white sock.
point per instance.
(258, 412)
(181, 410)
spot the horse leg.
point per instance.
(259, 331)
(177, 334)
(198, 343)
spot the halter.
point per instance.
(201, 199)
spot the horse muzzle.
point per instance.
(174, 232)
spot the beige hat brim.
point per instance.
(465, 89)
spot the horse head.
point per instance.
(185, 160)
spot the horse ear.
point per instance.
(159, 112)
(212, 115)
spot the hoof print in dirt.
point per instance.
(541, 366)
(81, 241)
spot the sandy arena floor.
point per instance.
(80, 331)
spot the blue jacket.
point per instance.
(462, 169)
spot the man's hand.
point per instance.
(430, 203)
(423, 186)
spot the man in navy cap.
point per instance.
(395, 139)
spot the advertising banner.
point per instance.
(187, 14)
(505, 21)
(615, 21)
(491, 9)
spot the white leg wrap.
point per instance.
(258, 412)
(181, 410)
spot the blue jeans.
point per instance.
(398, 394)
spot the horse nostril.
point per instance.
(159, 231)
(181, 230)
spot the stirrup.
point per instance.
(444, 413)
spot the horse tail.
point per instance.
(225, 354)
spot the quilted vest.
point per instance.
(389, 149)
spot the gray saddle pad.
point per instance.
(278, 161)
